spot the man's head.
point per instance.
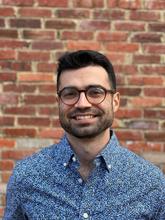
(87, 94)
(83, 58)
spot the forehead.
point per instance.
(83, 77)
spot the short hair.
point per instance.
(83, 58)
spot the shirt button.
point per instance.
(85, 215)
(109, 166)
(73, 159)
(65, 164)
(80, 180)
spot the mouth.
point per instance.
(83, 117)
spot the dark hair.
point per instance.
(84, 58)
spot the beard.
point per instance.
(103, 121)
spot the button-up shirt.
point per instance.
(121, 186)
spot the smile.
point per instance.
(83, 117)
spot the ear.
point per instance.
(116, 101)
(57, 99)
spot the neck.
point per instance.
(87, 149)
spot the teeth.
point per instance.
(81, 117)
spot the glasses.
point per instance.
(94, 94)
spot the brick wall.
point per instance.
(33, 33)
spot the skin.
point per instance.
(87, 125)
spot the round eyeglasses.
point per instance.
(94, 94)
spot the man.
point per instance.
(87, 175)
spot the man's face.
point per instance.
(83, 119)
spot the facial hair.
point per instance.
(103, 122)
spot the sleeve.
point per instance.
(13, 209)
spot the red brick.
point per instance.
(8, 98)
(145, 102)
(19, 88)
(46, 67)
(38, 35)
(77, 35)
(8, 33)
(88, 3)
(17, 154)
(78, 45)
(32, 12)
(158, 70)
(47, 45)
(25, 23)
(146, 59)
(2, 22)
(8, 76)
(144, 15)
(155, 4)
(144, 80)
(60, 24)
(56, 123)
(129, 26)
(7, 12)
(6, 121)
(52, 133)
(156, 114)
(5, 176)
(72, 13)
(154, 136)
(122, 47)
(53, 3)
(48, 111)
(128, 113)
(159, 27)
(140, 146)
(125, 91)
(112, 3)
(94, 25)
(13, 44)
(40, 99)
(101, 14)
(126, 69)
(117, 14)
(158, 92)
(6, 165)
(129, 135)
(9, 143)
(2, 211)
(7, 55)
(35, 121)
(30, 77)
(20, 132)
(133, 4)
(20, 110)
(18, 2)
(33, 56)
(115, 36)
(147, 37)
(154, 48)
(14, 66)
(142, 124)
(48, 88)
(116, 58)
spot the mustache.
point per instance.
(88, 111)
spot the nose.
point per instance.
(82, 102)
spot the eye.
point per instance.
(96, 92)
(69, 93)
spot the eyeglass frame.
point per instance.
(85, 92)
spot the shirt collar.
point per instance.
(107, 154)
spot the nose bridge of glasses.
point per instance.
(83, 100)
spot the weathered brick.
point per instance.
(19, 88)
(6, 11)
(34, 143)
(145, 15)
(129, 135)
(158, 70)
(24, 110)
(156, 114)
(158, 92)
(15, 66)
(20, 132)
(102, 14)
(18, 2)
(40, 99)
(159, 27)
(94, 25)
(128, 113)
(60, 24)
(8, 76)
(144, 125)
(7, 55)
(25, 23)
(6, 121)
(7, 33)
(154, 4)
(78, 45)
(77, 35)
(129, 26)
(154, 136)
(112, 3)
(47, 45)
(124, 91)
(2, 22)
(30, 77)
(53, 3)
(133, 4)
(145, 102)
(122, 47)
(72, 13)
(115, 36)
(46, 67)
(33, 121)
(88, 3)
(6, 165)
(48, 111)
(154, 48)
(126, 69)
(147, 37)
(7, 143)
(33, 56)
(144, 80)
(8, 98)
(5, 176)
(48, 88)
(38, 35)
(17, 154)
(13, 44)
(32, 12)
(117, 14)
(144, 59)
(51, 133)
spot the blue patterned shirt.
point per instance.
(122, 186)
